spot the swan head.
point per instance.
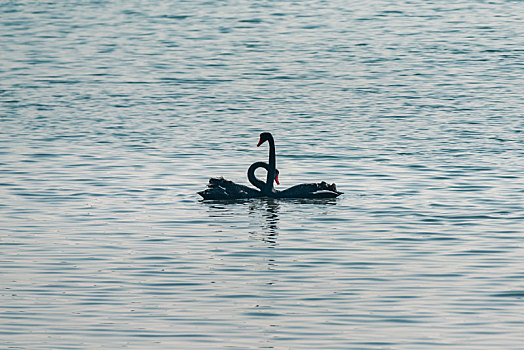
(265, 136)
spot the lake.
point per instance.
(114, 114)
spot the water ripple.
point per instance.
(113, 116)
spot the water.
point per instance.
(114, 114)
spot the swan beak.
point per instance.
(259, 142)
(277, 180)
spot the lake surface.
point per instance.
(114, 114)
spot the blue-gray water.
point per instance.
(114, 114)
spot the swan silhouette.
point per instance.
(222, 189)
(308, 190)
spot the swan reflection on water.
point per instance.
(268, 211)
(263, 214)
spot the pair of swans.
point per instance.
(220, 188)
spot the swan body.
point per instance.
(312, 190)
(222, 189)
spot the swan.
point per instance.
(309, 190)
(220, 188)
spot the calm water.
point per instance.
(113, 114)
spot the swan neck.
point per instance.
(272, 167)
(252, 177)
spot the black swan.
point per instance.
(311, 190)
(220, 188)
